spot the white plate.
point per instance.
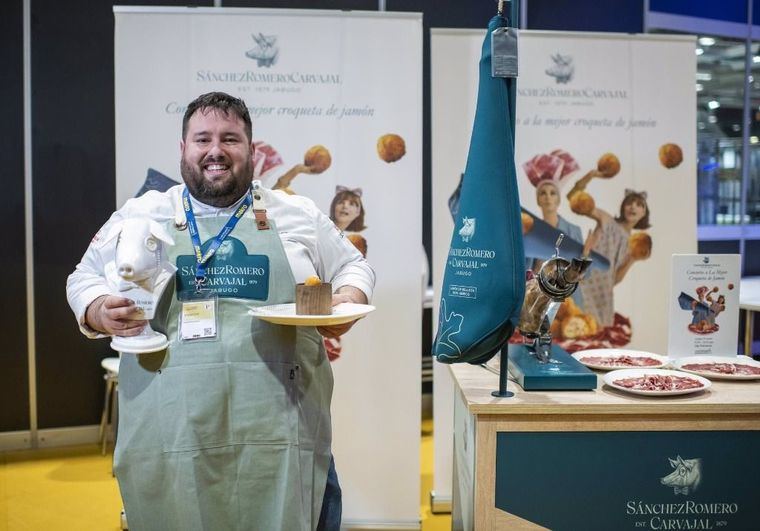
(615, 352)
(611, 377)
(743, 360)
(286, 314)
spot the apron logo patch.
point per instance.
(231, 272)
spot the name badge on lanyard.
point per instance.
(198, 319)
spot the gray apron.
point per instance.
(232, 434)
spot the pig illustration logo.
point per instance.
(225, 251)
(468, 229)
(686, 476)
(563, 69)
(266, 50)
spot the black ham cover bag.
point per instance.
(484, 282)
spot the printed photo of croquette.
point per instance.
(317, 159)
(670, 155)
(608, 166)
(391, 147)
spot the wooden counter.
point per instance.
(489, 429)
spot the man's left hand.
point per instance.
(344, 294)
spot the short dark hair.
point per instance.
(225, 104)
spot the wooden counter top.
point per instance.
(475, 384)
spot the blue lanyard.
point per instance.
(201, 260)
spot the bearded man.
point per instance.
(230, 430)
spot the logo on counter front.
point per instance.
(266, 50)
(468, 229)
(685, 477)
(563, 69)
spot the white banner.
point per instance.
(620, 109)
(311, 79)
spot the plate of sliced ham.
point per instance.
(721, 367)
(610, 359)
(656, 382)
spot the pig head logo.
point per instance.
(468, 229)
(563, 69)
(265, 52)
(685, 477)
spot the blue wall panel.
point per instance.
(626, 16)
(726, 10)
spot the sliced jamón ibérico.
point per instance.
(621, 361)
(723, 368)
(659, 382)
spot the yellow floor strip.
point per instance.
(430, 521)
(62, 489)
(72, 488)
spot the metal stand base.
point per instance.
(503, 371)
(561, 373)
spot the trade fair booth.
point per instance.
(634, 427)
(520, 204)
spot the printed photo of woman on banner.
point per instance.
(590, 320)
(548, 173)
(347, 212)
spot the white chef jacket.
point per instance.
(312, 243)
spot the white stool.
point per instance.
(109, 415)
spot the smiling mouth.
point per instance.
(215, 169)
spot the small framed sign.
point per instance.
(704, 305)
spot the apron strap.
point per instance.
(180, 220)
(261, 219)
(259, 209)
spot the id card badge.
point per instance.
(198, 318)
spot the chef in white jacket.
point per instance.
(232, 430)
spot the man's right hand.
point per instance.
(110, 315)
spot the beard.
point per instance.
(219, 193)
